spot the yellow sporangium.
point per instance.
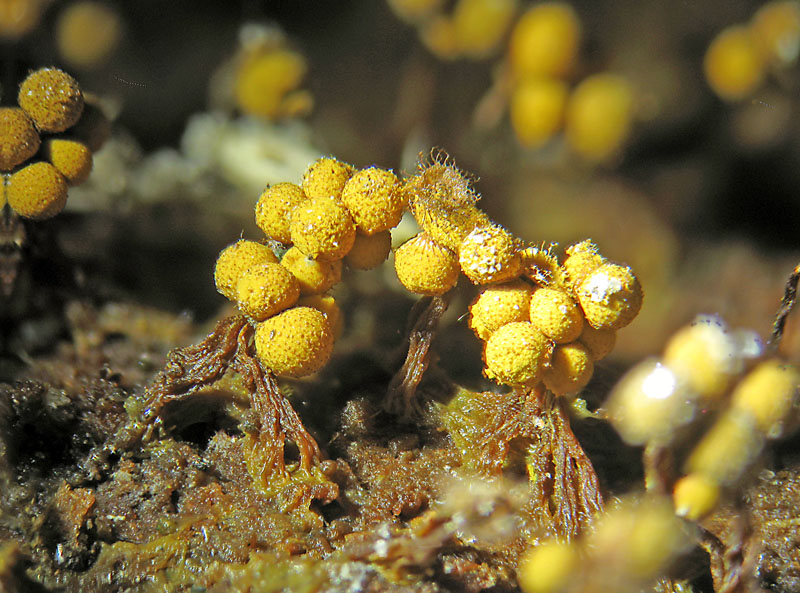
(425, 267)
(706, 356)
(235, 259)
(695, 495)
(87, 33)
(52, 99)
(769, 394)
(570, 369)
(294, 343)
(374, 199)
(734, 64)
(479, 25)
(610, 296)
(499, 304)
(314, 276)
(265, 76)
(556, 315)
(599, 342)
(369, 251)
(582, 259)
(322, 228)
(545, 41)
(326, 178)
(443, 203)
(547, 567)
(599, 116)
(517, 354)
(266, 289)
(37, 191)
(536, 109)
(19, 139)
(72, 158)
(490, 254)
(274, 207)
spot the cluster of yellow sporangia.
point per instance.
(336, 214)
(541, 321)
(46, 143)
(707, 368)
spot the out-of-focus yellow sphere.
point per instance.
(537, 110)
(545, 41)
(733, 64)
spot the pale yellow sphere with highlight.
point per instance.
(313, 275)
(556, 315)
(235, 259)
(517, 354)
(425, 267)
(570, 369)
(375, 200)
(705, 356)
(19, 139)
(599, 116)
(610, 296)
(325, 178)
(294, 343)
(37, 191)
(322, 228)
(545, 41)
(52, 99)
(499, 304)
(369, 251)
(490, 254)
(266, 289)
(274, 208)
(72, 158)
(536, 109)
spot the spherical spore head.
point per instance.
(570, 369)
(264, 290)
(425, 267)
(52, 98)
(490, 254)
(545, 41)
(274, 208)
(610, 296)
(499, 304)
(19, 139)
(599, 342)
(37, 191)
(235, 259)
(517, 354)
(325, 178)
(369, 251)
(315, 276)
(294, 343)
(555, 313)
(72, 158)
(322, 228)
(374, 198)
